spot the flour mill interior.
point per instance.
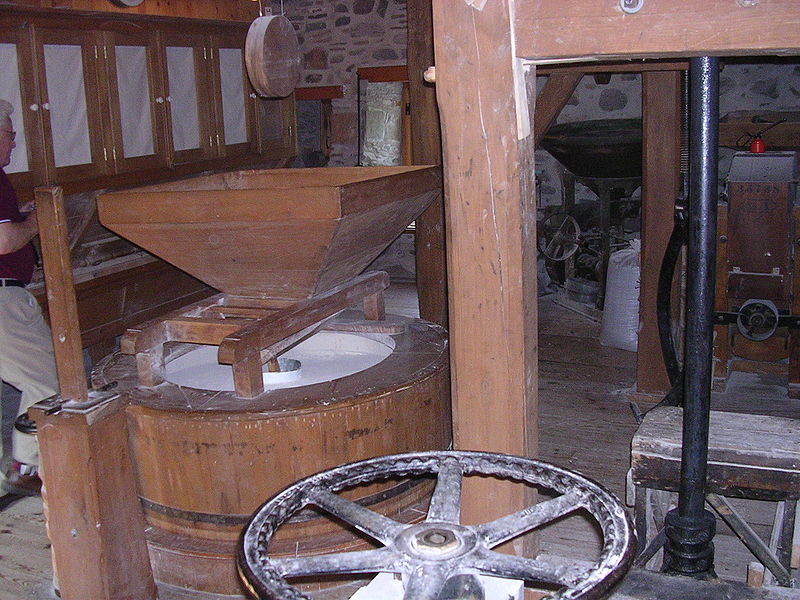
(418, 299)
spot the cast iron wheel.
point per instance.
(429, 553)
(559, 236)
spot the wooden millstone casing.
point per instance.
(274, 233)
(205, 460)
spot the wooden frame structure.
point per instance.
(250, 332)
(486, 55)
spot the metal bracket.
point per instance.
(631, 6)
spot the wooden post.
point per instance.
(426, 149)
(61, 303)
(94, 519)
(661, 133)
(491, 249)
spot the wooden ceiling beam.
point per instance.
(587, 29)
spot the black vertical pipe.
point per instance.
(690, 528)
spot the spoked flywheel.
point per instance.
(559, 236)
(429, 553)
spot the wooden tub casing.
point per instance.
(205, 460)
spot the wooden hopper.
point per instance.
(276, 233)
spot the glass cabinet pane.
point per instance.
(233, 101)
(183, 98)
(69, 119)
(10, 90)
(134, 101)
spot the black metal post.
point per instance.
(690, 528)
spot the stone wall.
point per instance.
(337, 38)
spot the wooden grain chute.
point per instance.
(277, 233)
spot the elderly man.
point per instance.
(26, 348)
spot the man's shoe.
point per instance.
(22, 480)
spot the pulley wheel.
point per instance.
(559, 236)
(272, 56)
(757, 319)
(430, 553)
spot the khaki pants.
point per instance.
(26, 360)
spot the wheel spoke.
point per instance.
(375, 525)
(425, 582)
(446, 500)
(496, 564)
(508, 527)
(365, 561)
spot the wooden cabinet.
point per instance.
(98, 100)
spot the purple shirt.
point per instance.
(19, 264)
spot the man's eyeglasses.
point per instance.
(11, 134)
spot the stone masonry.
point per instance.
(338, 37)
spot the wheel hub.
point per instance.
(433, 541)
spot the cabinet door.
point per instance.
(235, 111)
(72, 102)
(18, 86)
(137, 104)
(277, 127)
(190, 111)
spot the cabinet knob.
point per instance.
(169, 98)
(160, 100)
(34, 107)
(46, 106)
(253, 95)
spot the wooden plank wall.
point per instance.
(228, 10)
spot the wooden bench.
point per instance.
(749, 456)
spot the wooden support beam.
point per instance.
(61, 303)
(94, 519)
(587, 29)
(554, 96)
(661, 138)
(197, 330)
(626, 66)
(426, 149)
(491, 245)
